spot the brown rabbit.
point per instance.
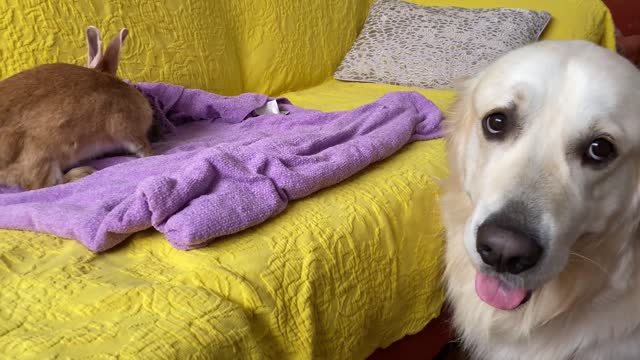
(55, 115)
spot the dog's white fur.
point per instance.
(585, 302)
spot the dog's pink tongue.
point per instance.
(492, 291)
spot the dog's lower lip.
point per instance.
(526, 298)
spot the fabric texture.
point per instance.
(336, 275)
(433, 47)
(332, 277)
(261, 46)
(220, 170)
(570, 19)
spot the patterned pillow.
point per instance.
(408, 44)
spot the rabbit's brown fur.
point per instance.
(55, 115)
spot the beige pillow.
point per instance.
(408, 44)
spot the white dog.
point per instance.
(542, 206)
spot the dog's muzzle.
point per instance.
(507, 242)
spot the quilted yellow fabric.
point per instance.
(338, 274)
(233, 46)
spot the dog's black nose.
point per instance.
(507, 250)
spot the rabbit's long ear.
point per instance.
(109, 62)
(94, 46)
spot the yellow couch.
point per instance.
(339, 274)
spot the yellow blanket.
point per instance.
(360, 258)
(346, 270)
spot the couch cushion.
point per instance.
(181, 42)
(432, 47)
(230, 46)
(570, 19)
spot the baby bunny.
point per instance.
(56, 115)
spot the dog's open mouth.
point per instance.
(496, 293)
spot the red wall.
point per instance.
(626, 14)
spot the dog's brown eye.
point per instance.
(495, 125)
(599, 151)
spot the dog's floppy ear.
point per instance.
(458, 121)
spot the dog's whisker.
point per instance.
(589, 260)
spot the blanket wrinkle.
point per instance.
(220, 168)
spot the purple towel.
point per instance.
(220, 168)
